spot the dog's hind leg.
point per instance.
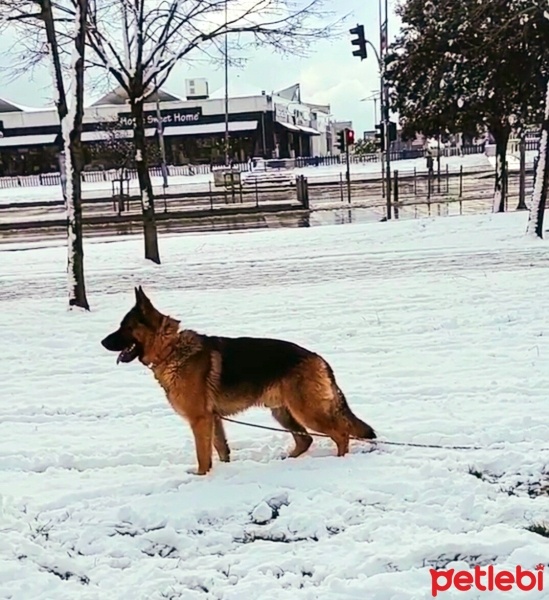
(202, 427)
(319, 404)
(302, 439)
(220, 441)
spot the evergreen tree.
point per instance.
(472, 66)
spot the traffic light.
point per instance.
(349, 137)
(380, 137)
(392, 131)
(359, 41)
(340, 140)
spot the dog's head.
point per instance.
(143, 332)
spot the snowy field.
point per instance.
(201, 183)
(438, 333)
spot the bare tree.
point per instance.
(116, 148)
(139, 42)
(39, 16)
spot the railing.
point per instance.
(405, 154)
(532, 144)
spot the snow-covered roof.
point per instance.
(119, 96)
(237, 89)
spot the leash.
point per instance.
(374, 442)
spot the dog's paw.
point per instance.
(196, 472)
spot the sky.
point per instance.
(330, 74)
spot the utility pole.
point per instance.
(226, 89)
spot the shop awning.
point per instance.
(208, 128)
(309, 130)
(42, 139)
(288, 126)
(121, 134)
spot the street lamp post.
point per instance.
(375, 96)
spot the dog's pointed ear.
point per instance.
(142, 301)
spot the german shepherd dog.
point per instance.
(206, 378)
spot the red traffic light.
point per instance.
(349, 137)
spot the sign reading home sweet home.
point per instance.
(173, 116)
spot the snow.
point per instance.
(437, 333)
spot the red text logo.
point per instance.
(486, 580)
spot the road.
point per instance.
(470, 194)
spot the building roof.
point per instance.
(6, 106)
(292, 93)
(323, 108)
(119, 96)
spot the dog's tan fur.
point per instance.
(205, 378)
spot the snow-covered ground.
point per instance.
(438, 333)
(201, 183)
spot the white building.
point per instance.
(276, 125)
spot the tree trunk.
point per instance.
(77, 288)
(501, 135)
(71, 147)
(145, 184)
(75, 266)
(541, 184)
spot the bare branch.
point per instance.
(140, 41)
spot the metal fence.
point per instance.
(414, 194)
(48, 179)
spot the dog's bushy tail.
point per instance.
(357, 427)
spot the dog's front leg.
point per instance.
(202, 427)
(220, 440)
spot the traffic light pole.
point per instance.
(348, 173)
(361, 52)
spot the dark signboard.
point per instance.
(173, 116)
